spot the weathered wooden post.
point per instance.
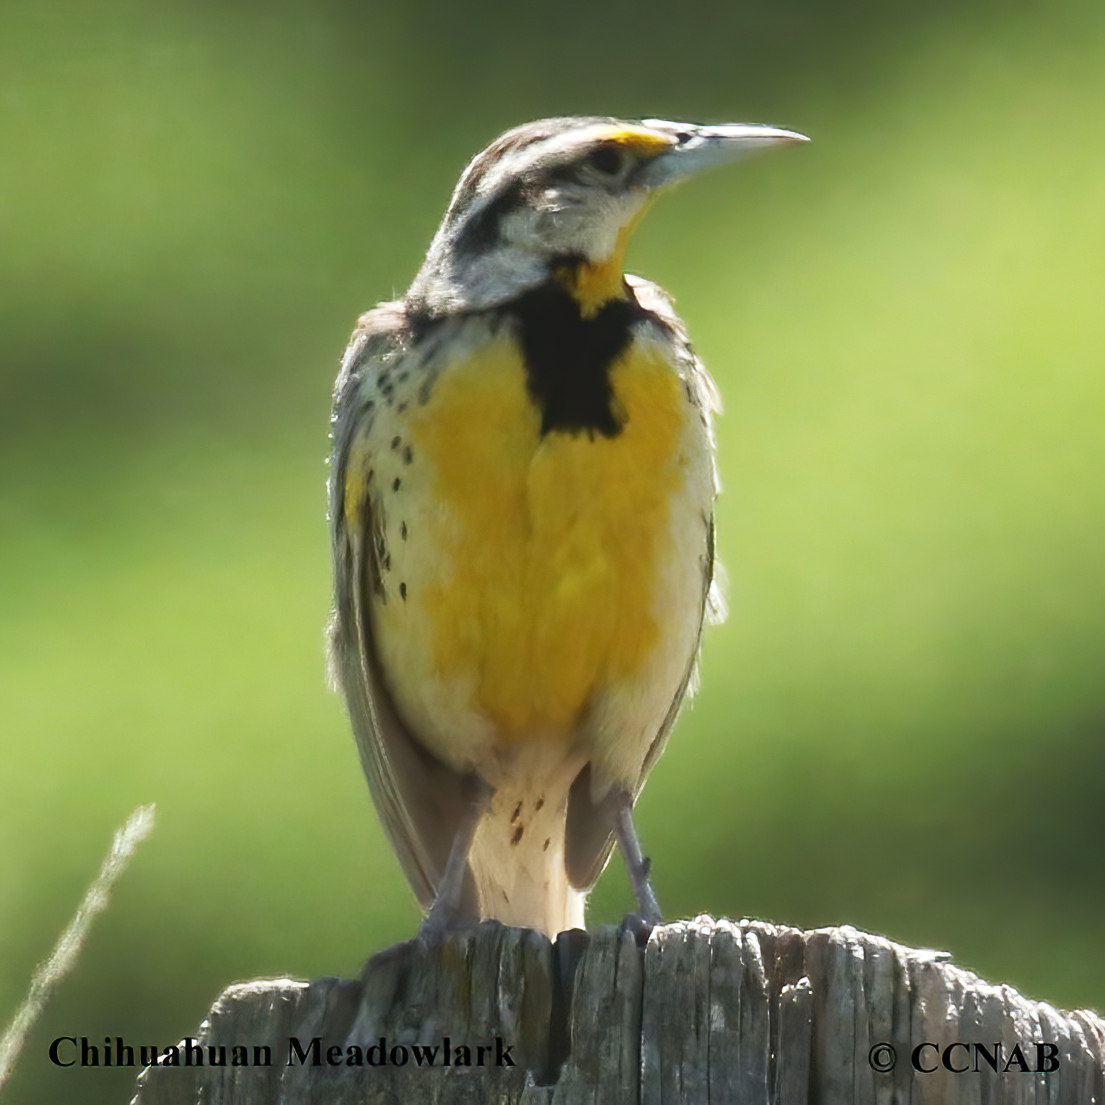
(707, 1011)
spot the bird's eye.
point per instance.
(606, 160)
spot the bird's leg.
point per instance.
(648, 915)
(446, 911)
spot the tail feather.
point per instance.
(517, 863)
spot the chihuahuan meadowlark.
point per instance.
(521, 502)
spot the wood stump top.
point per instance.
(706, 1011)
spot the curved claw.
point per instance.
(439, 924)
(640, 928)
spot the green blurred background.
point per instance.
(901, 723)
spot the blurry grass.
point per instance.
(900, 725)
(908, 695)
(60, 962)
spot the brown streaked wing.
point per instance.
(420, 802)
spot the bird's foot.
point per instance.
(640, 927)
(449, 912)
(438, 925)
(636, 864)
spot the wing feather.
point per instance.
(420, 802)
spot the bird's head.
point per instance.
(559, 198)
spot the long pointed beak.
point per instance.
(696, 148)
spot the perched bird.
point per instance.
(521, 503)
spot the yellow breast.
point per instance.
(549, 547)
